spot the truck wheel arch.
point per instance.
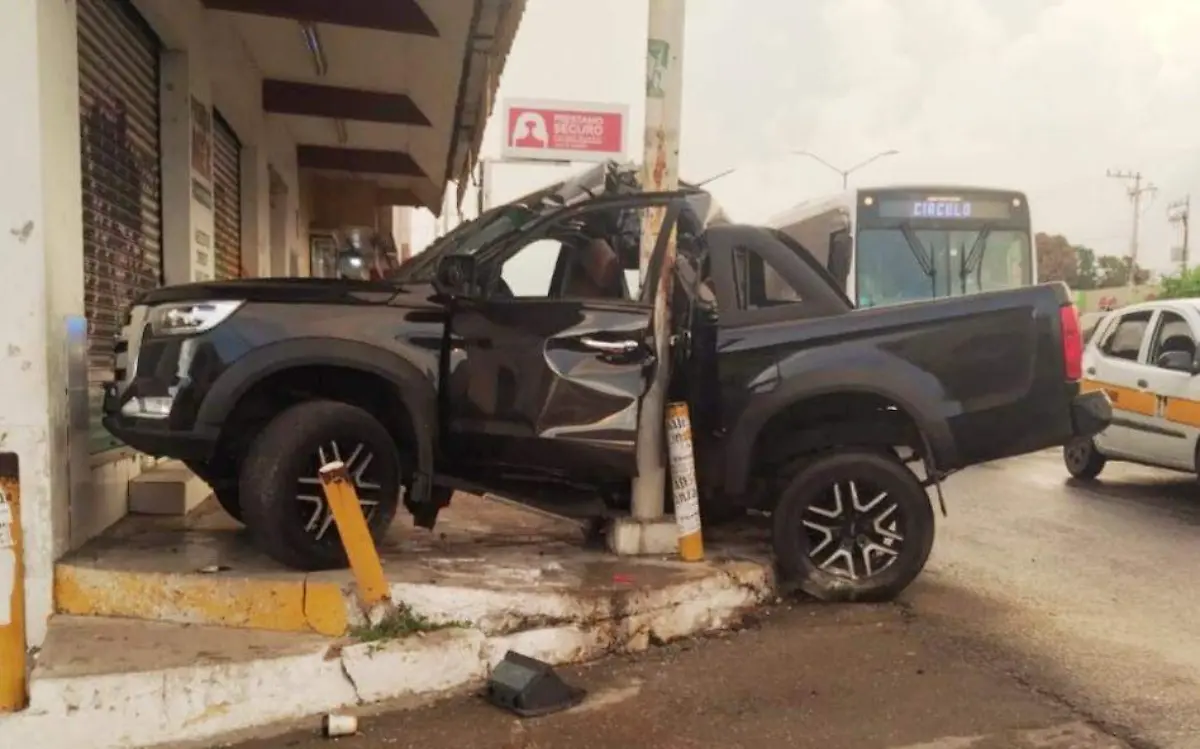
(414, 389)
(924, 409)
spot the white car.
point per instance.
(1144, 357)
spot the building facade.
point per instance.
(174, 141)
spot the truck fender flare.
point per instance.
(926, 408)
(416, 389)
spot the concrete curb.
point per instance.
(145, 708)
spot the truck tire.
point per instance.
(282, 499)
(225, 489)
(1082, 459)
(853, 525)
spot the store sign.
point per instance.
(564, 131)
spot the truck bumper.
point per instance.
(1091, 413)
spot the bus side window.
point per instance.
(841, 252)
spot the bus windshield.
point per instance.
(904, 264)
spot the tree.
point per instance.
(1057, 260)
(1113, 271)
(1186, 285)
(1085, 275)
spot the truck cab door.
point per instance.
(545, 373)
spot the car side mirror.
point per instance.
(455, 275)
(1177, 361)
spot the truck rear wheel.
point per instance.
(281, 494)
(853, 525)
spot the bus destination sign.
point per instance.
(947, 209)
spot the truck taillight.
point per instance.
(1072, 342)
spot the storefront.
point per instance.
(122, 199)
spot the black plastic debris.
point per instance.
(529, 687)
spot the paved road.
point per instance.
(1050, 616)
(805, 676)
(1090, 592)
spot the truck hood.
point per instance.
(281, 290)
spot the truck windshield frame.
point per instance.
(917, 244)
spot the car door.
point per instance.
(1177, 390)
(550, 382)
(1114, 363)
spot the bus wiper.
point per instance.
(974, 259)
(923, 256)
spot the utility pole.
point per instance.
(1180, 212)
(660, 172)
(1136, 190)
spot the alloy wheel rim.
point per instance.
(853, 530)
(363, 470)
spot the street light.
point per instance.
(847, 172)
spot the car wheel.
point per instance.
(225, 488)
(1082, 459)
(282, 497)
(853, 526)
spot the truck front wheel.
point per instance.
(853, 525)
(283, 502)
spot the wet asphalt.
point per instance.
(1050, 615)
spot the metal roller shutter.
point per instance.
(122, 223)
(227, 200)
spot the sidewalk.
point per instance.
(176, 630)
(853, 677)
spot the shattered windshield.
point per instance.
(896, 265)
(464, 239)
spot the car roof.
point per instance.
(1153, 304)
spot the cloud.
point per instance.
(1040, 95)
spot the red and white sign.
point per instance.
(564, 130)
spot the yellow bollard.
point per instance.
(12, 588)
(683, 482)
(356, 536)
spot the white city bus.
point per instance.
(887, 245)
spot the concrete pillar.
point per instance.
(187, 153)
(41, 258)
(256, 212)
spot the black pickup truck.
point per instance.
(513, 356)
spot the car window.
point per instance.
(530, 272)
(1125, 339)
(1173, 334)
(586, 255)
(757, 284)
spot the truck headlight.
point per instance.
(191, 317)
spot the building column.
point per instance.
(187, 155)
(256, 212)
(41, 309)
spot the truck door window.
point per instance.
(1125, 339)
(1173, 334)
(530, 272)
(583, 256)
(757, 284)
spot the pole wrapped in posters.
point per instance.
(683, 482)
(12, 588)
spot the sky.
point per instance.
(1043, 96)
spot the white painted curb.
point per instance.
(142, 709)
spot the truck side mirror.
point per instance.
(455, 275)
